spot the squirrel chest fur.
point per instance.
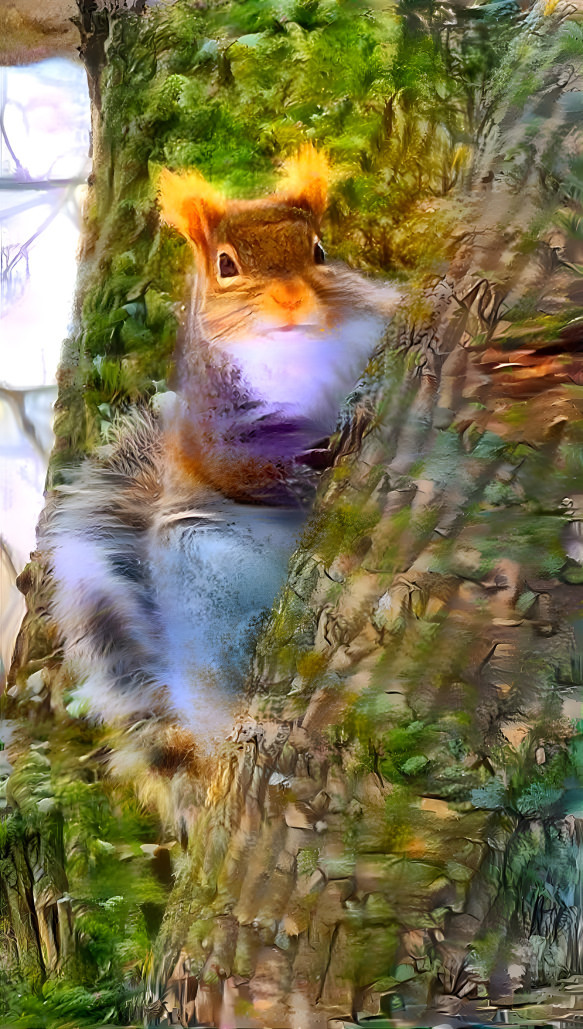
(169, 544)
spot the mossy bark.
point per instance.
(322, 884)
(408, 753)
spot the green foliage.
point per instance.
(61, 1006)
(86, 834)
(403, 98)
(232, 88)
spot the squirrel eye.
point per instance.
(227, 267)
(319, 254)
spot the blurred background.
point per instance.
(44, 147)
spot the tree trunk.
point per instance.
(396, 821)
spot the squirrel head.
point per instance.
(293, 331)
(262, 259)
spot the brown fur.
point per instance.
(220, 465)
(108, 536)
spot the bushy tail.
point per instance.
(96, 538)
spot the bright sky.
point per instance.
(47, 124)
(46, 120)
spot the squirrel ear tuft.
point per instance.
(190, 204)
(305, 180)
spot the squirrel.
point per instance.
(168, 544)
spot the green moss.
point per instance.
(229, 89)
(338, 530)
(393, 94)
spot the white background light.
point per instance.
(45, 136)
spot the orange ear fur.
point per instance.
(190, 204)
(305, 180)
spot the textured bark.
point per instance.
(33, 32)
(309, 887)
(300, 898)
(275, 910)
(33, 883)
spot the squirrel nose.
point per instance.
(288, 295)
(288, 301)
